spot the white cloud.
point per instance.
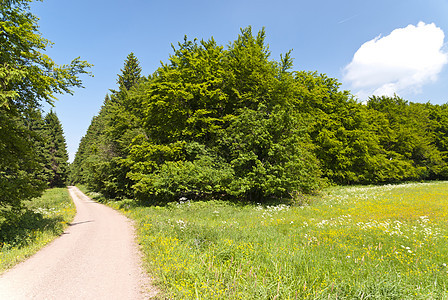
(406, 59)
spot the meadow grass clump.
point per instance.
(374, 242)
(24, 232)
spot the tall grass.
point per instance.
(388, 242)
(43, 219)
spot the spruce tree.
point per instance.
(130, 74)
(56, 151)
(123, 110)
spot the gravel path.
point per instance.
(95, 258)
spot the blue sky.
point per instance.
(324, 35)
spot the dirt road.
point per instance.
(95, 258)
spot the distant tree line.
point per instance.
(33, 153)
(229, 122)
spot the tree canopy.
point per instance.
(230, 122)
(207, 123)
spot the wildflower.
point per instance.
(181, 224)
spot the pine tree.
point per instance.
(56, 151)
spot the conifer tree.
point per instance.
(56, 151)
(130, 74)
(124, 110)
(99, 160)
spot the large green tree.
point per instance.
(222, 122)
(211, 121)
(122, 110)
(56, 150)
(28, 77)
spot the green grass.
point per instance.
(44, 219)
(388, 242)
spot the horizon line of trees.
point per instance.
(232, 123)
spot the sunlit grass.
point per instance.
(388, 242)
(44, 219)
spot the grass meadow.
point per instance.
(44, 219)
(376, 242)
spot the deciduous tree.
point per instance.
(28, 77)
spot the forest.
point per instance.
(232, 123)
(215, 121)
